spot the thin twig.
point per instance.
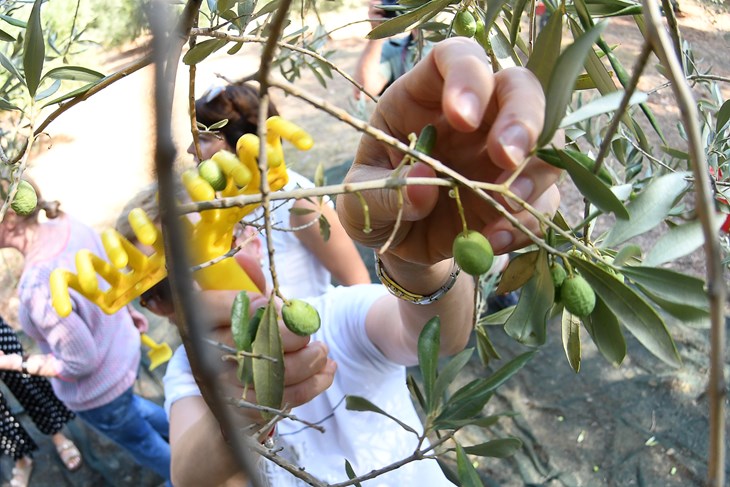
(704, 204)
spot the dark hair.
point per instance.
(239, 104)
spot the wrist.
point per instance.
(416, 283)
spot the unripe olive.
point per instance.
(210, 171)
(557, 272)
(300, 317)
(464, 24)
(480, 34)
(473, 252)
(25, 199)
(577, 295)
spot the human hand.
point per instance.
(10, 361)
(139, 320)
(486, 123)
(307, 369)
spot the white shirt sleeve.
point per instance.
(179, 381)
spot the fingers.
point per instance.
(518, 123)
(505, 237)
(532, 182)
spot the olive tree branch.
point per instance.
(704, 203)
(283, 45)
(17, 174)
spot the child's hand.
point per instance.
(486, 123)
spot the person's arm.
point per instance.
(486, 124)
(367, 71)
(338, 254)
(44, 365)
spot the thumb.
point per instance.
(370, 217)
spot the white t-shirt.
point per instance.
(299, 272)
(367, 440)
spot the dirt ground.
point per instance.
(641, 424)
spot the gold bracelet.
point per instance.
(399, 292)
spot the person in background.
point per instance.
(306, 263)
(485, 122)
(36, 397)
(91, 358)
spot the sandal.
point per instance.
(21, 474)
(70, 455)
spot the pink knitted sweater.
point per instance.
(98, 354)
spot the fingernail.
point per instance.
(522, 187)
(468, 107)
(500, 240)
(515, 140)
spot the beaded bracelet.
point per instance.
(398, 291)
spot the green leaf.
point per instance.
(676, 153)
(485, 348)
(319, 175)
(468, 476)
(203, 50)
(562, 80)
(519, 270)
(447, 375)
(627, 253)
(528, 321)
(689, 315)
(679, 241)
(71, 94)
(593, 188)
(268, 376)
(605, 331)
(13, 21)
(514, 24)
(649, 209)
(723, 115)
(219, 124)
(48, 91)
(429, 345)
(4, 36)
(409, 20)
(6, 105)
(485, 422)
(632, 311)
(235, 48)
(34, 48)
(547, 50)
(8, 64)
(471, 398)
(324, 228)
(351, 473)
(357, 403)
(554, 156)
(240, 321)
(599, 106)
(415, 391)
(570, 325)
(499, 448)
(670, 285)
(75, 73)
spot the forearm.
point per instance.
(455, 308)
(41, 365)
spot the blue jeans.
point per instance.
(137, 425)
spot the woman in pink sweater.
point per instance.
(92, 358)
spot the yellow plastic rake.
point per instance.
(130, 272)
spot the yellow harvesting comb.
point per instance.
(130, 272)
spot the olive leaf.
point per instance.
(562, 79)
(723, 115)
(552, 156)
(547, 49)
(268, 375)
(598, 106)
(632, 311)
(485, 422)
(34, 48)
(8, 64)
(469, 400)
(605, 331)
(648, 209)
(485, 348)
(203, 50)
(351, 473)
(519, 270)
(48, 91)
(415, 391)
(71, 94)
(74, 73)
(499, 448)
(468, 476)
(6, 105)
(4, 36)
(429, 345)
(324, 228)
(357, 403)
(528, 321)
(570, 325)
(408, 20)
(679, 241)
(514, 23)
(240, 322)
(498, 318)
(447, 375)
(13, 21)
(592, 188)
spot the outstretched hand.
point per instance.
(487, 125)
